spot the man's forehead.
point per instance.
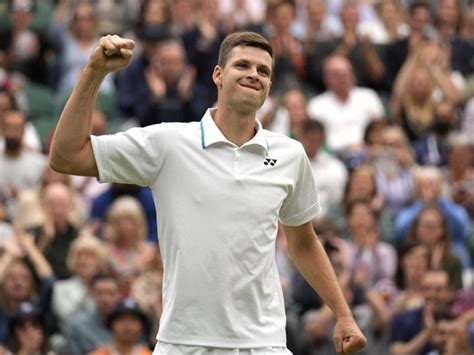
(251, 54)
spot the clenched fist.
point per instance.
(112, 53)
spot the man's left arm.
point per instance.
(311, 260)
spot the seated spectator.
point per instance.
(428, 191)
(22, 48)
(393, 165)
(406, 293)
(129, 253)
(89, 330)
(344, 109)
(27, 332)
(101, 204)
(171, 93)
(287, 49)
(31, 138)
(75, 42)
(128, 325)
(431, 148)
(17, 281)
(417, 331)
(288, 116)
(361, 185)
(459, 172)
(21, 168)
(30, 212)
(71, 297)
(370, 260)
(329, 172)
(55, 234)
(430, 229)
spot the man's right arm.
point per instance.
(71, 149)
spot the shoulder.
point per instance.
(281, 141)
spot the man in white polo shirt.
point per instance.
(220, 187)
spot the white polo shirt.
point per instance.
(218, 207)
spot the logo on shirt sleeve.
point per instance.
(269, 161)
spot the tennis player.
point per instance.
(220, 186)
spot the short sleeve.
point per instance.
(302, 203)
(131, 157)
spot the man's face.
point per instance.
(106, 294)
(13, 130)
(244, 83)
(436, 290)
(170, 62)
(338, 76)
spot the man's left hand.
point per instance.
(348, 338)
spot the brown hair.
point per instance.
(244, 39)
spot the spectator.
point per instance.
(415, 331)
(329, 172)
(171, 93)
(393, 165)
(102, 202)
(428, 191)
(23, 49)
(459, 171)
(344, 109)
(89, 330)
(56, 233)
(129, 254)
(71, 297)
(75, 44)
(430, 229)
(21, 167)
(27, 331)
(287, 49)
(128, 325)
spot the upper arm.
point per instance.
(299, 237)
(85, 165)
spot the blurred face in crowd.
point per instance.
(87, 263)
(18, 282)
(84, 23)
(295, 103)
(13, 131)
(429, 227)
(460, 157)
(338, 75)
(30, 335)
(312, 140)
(283, 17)
(361, 221)
(415, 264)
(436, 290)
(21, 17)
(419, 18)
(389, 12)
(361, 183)
(106, 294)
(316, 10)
(155, 13)
(448, 12)
(169, 61)
(420, 85)
(57, 202)
(349, 17)
(127, 328)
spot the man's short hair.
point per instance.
(244, 39)
(311, 125)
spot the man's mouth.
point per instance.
(249, 86)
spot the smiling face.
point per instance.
(244, 82)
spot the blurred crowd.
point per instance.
(379, 92)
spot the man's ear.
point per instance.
(217, 75)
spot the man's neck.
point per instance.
(238, 128)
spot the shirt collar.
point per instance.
(211, 134)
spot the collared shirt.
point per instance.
(218, 208)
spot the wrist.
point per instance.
(94, 73)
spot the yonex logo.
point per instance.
(269, 161)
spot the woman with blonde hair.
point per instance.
(129, 254)
(86, 258)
